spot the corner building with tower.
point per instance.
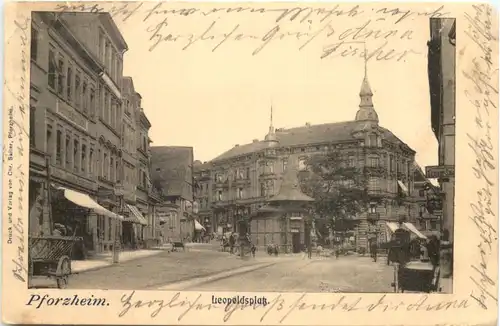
(235, 185)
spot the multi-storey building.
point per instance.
(240, 180)
(172, 169)
(75, 117)
(428, 202)
(442, 53)
(134, 219)
(203, 194)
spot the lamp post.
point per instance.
(116, 241)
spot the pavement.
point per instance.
(102, 261)
(348, 274)
(202, 268)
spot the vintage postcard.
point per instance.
(250, 163)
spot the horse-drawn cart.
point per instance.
(50, 256)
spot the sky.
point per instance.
(213, 100)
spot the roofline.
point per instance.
(215, 160)
(116, 31)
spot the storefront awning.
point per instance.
(413, 229)
(198, 226)
(84, 200)
(403, 187)
(392, 226)
(135, 216)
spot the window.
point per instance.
(219, 195)
(373, 183)
(433, 225)
(68, 149)
(52, 70)
(84, 97)
(83, 156)
(49, 139)
(75, 154)
(105, 166)
(421, 210)
(302, 164)
(92, 102)
(102, 102)
(69, 81)
(59, 146)
(91, 161)
(391, 163)
(102, 48)
(247, 174)
(350, 162)
(373, 208)
(263, 190)
(112, 113)
(60, 77)
(32, 126)
(421, 193)
(34, 44)
(270, 167)
(78, 94)
(112, 169)
(372, 140)
(240, 193)
(285, 162)
(374, 162)
(117, 171)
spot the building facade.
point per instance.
(172, 170)
(76, 119)
(442, 56)
(239, 181)
(428, 201)
(78, 142)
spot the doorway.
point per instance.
(296, 243)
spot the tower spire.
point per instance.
(271, 124)
(366, 110)
(271, 135)
(366, 62)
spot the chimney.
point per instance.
(308, 124)
(236, 145)
(255, 141)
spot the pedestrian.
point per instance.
(231, 243)
(309, 251)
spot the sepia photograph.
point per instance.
(250, 163)
(342, 206)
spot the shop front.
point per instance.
(72, 215)
(132, 227)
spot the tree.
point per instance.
(339, 190)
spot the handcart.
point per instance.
(50, 256)
(411, 275)
(419, 277)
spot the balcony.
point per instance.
(376, 171)
(373, 216)
(375, 192)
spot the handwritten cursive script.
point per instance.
(482, 95)
(306, 26)
(281, 307)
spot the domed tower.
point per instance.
(366, 110)
(271, 135)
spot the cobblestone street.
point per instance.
(216, 271)
(347, 274)
(152, 272)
